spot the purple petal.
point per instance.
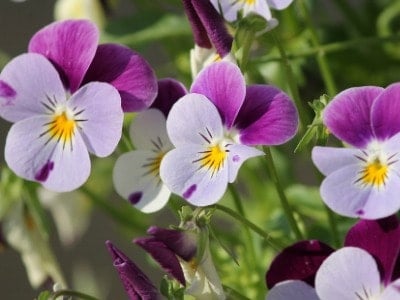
(348, 115)
(238, 154)
(292, 289)
(347, 274)
(267, 117)
(70, 45)
(223, 84)
(98, 105)
(215, 26)
(199, 32)
(299, 261)
(128, 72)
(136, 179)
(136, 283)
(385, 119)
(182, 243)
(381, 239)
(330, 159)
(164, 256)
(169, 91)
(59, 166)
(194, 120)
(26, 84)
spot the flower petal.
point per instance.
(299, 261)
(385, 120)
(381, 239)
(229, 9)
(148, 131)
(392, 291)
(128, 72)
(347, 274)
(164, 256)
(279, 4)
(193, 120)
(183, 176)
(26, 83)
(330, 159)
(70, 45)
(97, 104)
(348, 115)
(140, 184)
(238, 154)
(223, 84)
(267, 117)
(292, 289)
(169, 91)
(59, 166)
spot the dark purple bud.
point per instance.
(137, 285)
(300, 261)
(199, 32)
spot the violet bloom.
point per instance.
(362, 181)
(364, 269)
(136, 173)
(214, 127)
(137, 285)
(230, 8)
(177, 253)
(72, 46)
(53, 131)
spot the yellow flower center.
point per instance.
(62, 127)
(375, 173)
(250, 2)
(153, 165)
(213, 158)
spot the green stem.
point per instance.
(72, 294)
(293, 87)
(284, 201)
(267, 237)
(233, 294)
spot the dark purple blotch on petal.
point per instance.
(360, 212)
(169, 91)
(137, 285)
(135, 197)
(189, 192)
(44, 172)
(6, 91)
(236, 158)
(300, 261)
(381, 239)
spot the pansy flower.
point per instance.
(214, 127)
(72, 46)
(364, 269)
(362, 181)
(231, 8)
(53, 131)
(136, 173)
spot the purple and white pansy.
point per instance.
(136, 173)
(362, 181)
(366, 268)
(214, 127)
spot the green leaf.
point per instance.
(45, 295)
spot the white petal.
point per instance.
(292, 289)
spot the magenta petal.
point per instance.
(164, 256)
(169, 91)
(381, 239)
(267, 117)
(223, 84)
(128, 72)
(136, 283)
(299, 261)
(385, 112)
(348, 115)
(70, 45)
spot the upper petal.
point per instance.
(223, 84)
(70, 45)
(298, 261)
(381, 239)
(347, 274)
(267, 116)
(384, 113)
(26, 84)
(97, 106)
(348, 115)
(194, 120)
(128, 72)
(292, 289)
(59, 166)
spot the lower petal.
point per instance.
(59, 167)
(330, 159)
(392, 291)
(238, 154)
(292, 289)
